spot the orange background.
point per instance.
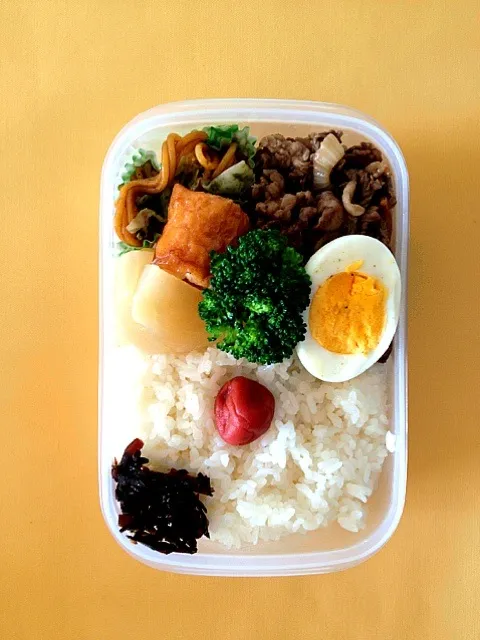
(72, 73)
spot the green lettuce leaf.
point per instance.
(137, 161)
(221, 136)
(123, 247)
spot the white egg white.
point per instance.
(335, 257)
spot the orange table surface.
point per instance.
(71, 74)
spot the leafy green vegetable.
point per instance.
(232, 182)
(257, 294)
(221, 136)
(139, 160)
(123, 247)
(149, 244)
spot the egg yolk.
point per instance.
(347, 314)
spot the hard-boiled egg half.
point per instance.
(354, 307)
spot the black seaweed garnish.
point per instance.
(160, 510)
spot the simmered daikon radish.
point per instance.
(129, 268)
(168, 308)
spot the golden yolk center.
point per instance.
(347, 314)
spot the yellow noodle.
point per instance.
(193, 136)
(188, 143)
(172, 158)
(130, 208)
(203, 159)
(176, 145)
(188, 148)
(227, 160)
(126, 210)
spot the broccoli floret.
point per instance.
(258, 292)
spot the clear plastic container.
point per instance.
(324, 550)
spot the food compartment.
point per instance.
(318, 551)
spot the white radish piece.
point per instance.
(167, 307)
(128, 269)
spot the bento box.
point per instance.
(325, 549)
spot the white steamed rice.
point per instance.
(318, 463)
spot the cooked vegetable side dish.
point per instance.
(256, 300)
(162, 510)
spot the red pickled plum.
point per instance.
(244, 410)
